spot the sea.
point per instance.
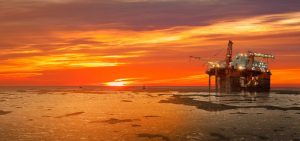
(146, 113)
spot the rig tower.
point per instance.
(247, 71)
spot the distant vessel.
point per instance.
(247, 71)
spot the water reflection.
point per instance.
(103, 114)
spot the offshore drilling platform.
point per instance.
(247, 71)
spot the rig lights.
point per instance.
(241, 68)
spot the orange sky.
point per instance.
(141, 42)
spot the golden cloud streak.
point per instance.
(19, 51)
(41, 63)
(250, 26)
(87, 64)
(120, 39)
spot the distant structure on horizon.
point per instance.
(247, 71)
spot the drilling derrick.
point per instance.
(229, 54)
(244, 72)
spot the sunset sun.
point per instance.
(118, 83)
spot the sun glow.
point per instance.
(118, 83)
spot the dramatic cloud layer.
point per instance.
(140, 42)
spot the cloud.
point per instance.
(138, 15)
(42, 36)
(98, 48)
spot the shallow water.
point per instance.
(157, 113)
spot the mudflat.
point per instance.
(100, 114)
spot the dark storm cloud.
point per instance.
(137, 15)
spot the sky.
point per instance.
(141, 42)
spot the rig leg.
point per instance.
(216, 80)
(209, 83)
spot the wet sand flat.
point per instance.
(99, 114)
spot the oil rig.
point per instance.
(245, 72)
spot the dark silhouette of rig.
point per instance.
(247, 71)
